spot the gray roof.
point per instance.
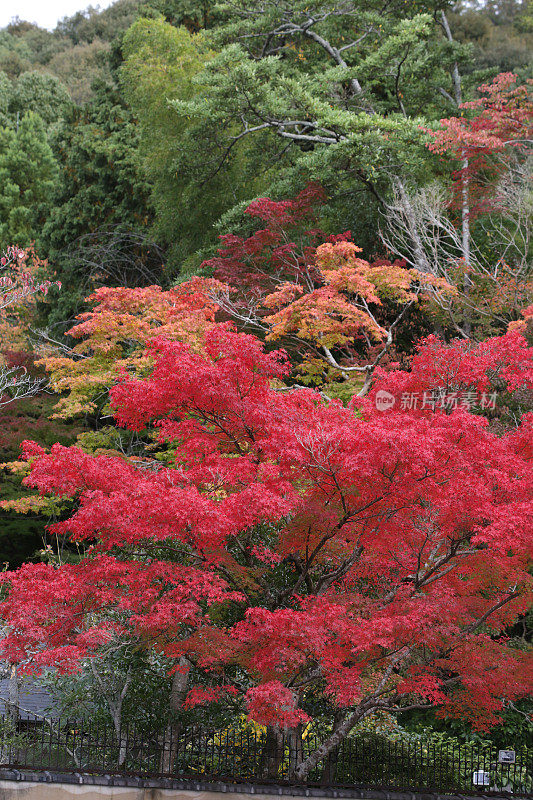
(33, 698)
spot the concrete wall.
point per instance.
(25, 790)
(47, 786)
(61, 791)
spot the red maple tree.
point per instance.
(372, 557)
(336, 312)
(484, 141)
(281, 249)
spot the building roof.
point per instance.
(34, 699)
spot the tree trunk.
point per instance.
(122, 749)
(13, 696)
(122, 739)
(329, 770)
(330, 744)
(296, 750)
(465, 242)
(172, 731)
(465, 187)
(272, 754)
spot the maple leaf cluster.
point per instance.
(283, 249)
(462, 365)
(341, 308)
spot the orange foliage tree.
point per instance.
(344, 310)
(113, 336)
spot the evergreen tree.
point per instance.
(334, 94)
(28, 177)
(5, 97)
(100, 192)
(39, 92)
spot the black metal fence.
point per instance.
(244, 754)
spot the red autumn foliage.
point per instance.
(463, 365)
(399, 541)
(335, 310)
(282, 250)
(18, 276)
(502, 122)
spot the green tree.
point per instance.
(15, 55)
(28, 177)
(334, 93)
(34, 91)
(42, 93)
(193, 14)
(160, 63)
(80, 66)
(100, 191)
(500, 33)
(39, 43)
(103, 24)
(6, 88)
